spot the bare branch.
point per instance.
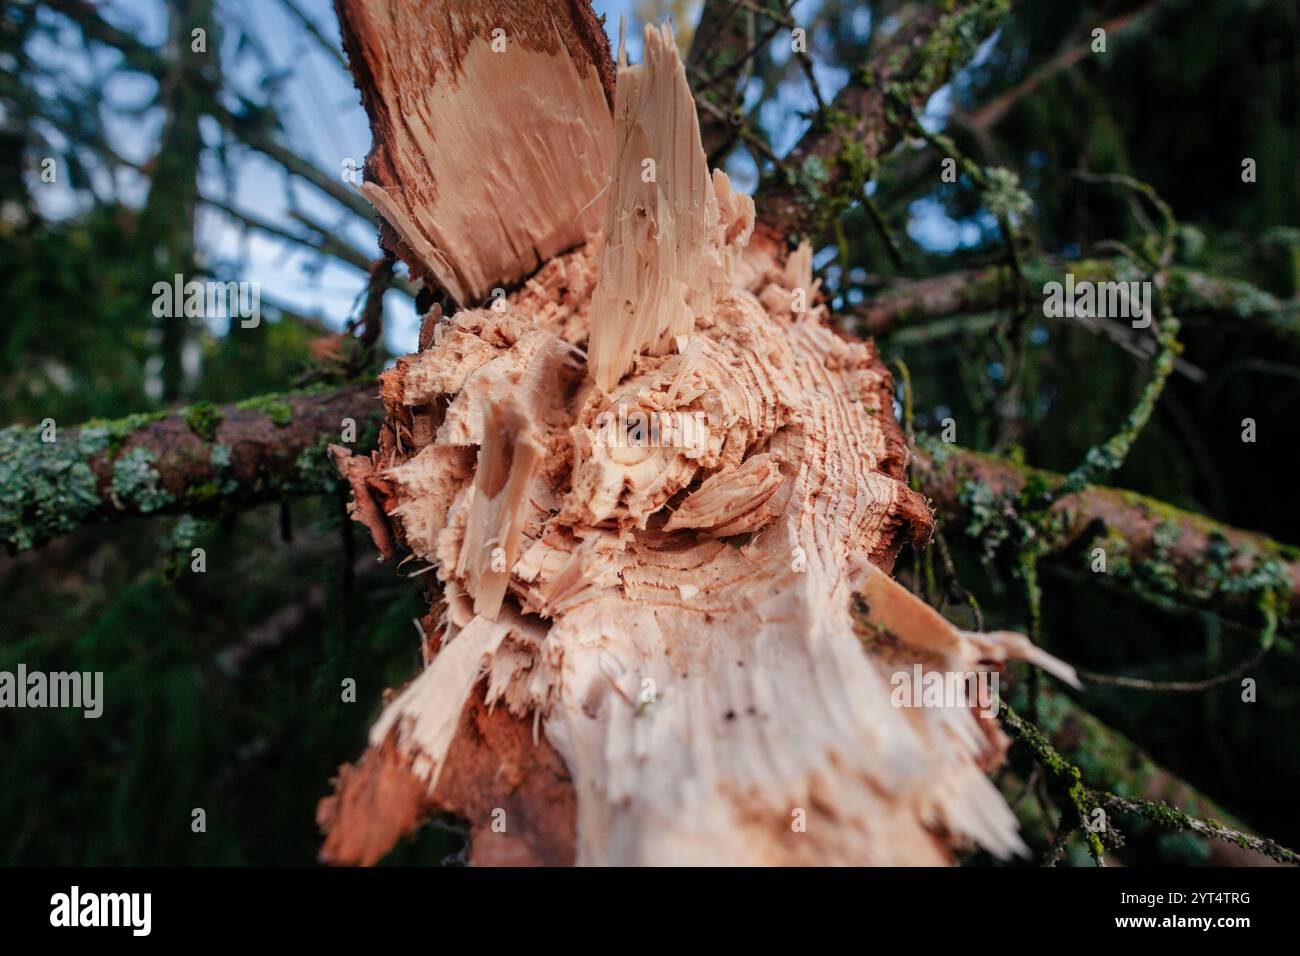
(992, 112)
(1190, 293)
(327, 243)
(254, 126)
(332, 49)
(721, 50)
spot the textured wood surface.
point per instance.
(703, 632)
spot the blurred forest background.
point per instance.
(223, 688)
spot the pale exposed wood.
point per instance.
(507, 459)
(678, 618)
(482, 181)
(670, 234)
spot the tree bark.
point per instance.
(1152, 548)
(167, 220)
(203, 459)
(570, 567)
(831, 165)
(1190, 293)
(721, 48)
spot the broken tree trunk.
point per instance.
(660, 493)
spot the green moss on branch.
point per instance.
(1069, 778)
(202, 459)
(828, 169)
(1151, 549)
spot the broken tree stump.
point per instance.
(660, 493)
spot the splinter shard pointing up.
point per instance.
(646, 654)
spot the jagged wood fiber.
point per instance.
(700, 632)
(473, 192)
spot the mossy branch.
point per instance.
(1069, 778)
(1152, 549)
(1149, 548)
(829, 167)
(1113, 763)
(203, 459)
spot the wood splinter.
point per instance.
(671, 624)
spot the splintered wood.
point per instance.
(668, 554)
(670, 234)
(477, 190)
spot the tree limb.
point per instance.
(327, 244)
(829, 167)
(1152, 548)
(202, 459)
(720, 47)
(1070, 778)
(252, 126)
(1150, 545)
(908, 169)
(331, 49)
(1114, 763)
(992, 112)
(1190, 293)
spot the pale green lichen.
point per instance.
(185, 532)
(98, 434)
(986, 517)
(178, 544)
(137, 484)
(1027, 526)
(315, 469)
(812, 176)
(1004, 196)
(223, 483)
(46, 488)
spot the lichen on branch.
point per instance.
(1150, 548)
(202, 459)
